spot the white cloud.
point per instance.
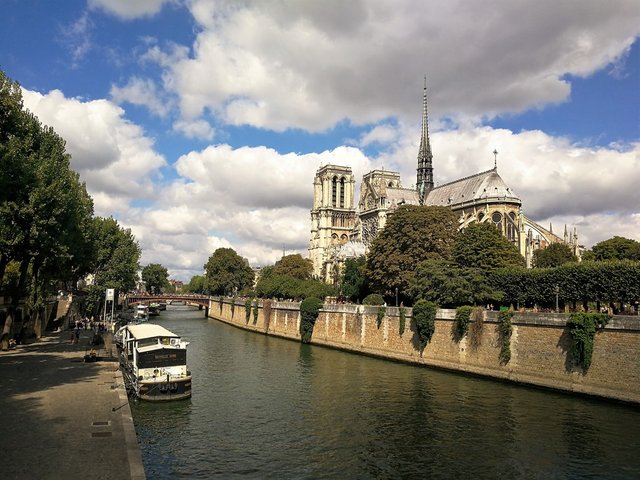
(141, 91)
(199, 129)
(129, 9)
(289, 64)
(111, 154)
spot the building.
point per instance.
(340, 230)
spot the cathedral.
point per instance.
(340, 230)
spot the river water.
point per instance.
(271, 408)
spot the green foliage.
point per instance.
(196, 284)
(287, 287)
(447, 284)
(584, 282)
(412, 234)
(617, 248)
(155, 278)
(266, 313)
(461, 322)
(424, 316)
(220, 303)
(309, 311)
(233, 306)
(481, 245)
(554, 255)
(294, 266)
(247, 309)
(373, 299)
(582, 328)
(504, 334)
(403, 316)
(255, 312)
(227, 272)
(380, 314)
(354, 285)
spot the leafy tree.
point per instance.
(155, 278)
(294, 266)
(424, 316)
(285, 286)
(449, 285)
(373, 299)
(227, 272)
(412, 234)
(554, 255)
(353, 284)
(481, 245)
(616, 248)
(309, 310)
(196, 284)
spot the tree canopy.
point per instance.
(554, 255)
(155, 278)
(227, 273)
(294, 266)
(616, 248)
(196, 284)
(353, 284)
(481, 245)
(412, 234)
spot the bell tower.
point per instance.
(333, 215)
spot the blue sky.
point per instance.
(200, 123)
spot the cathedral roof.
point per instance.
(398, 196)
(475, 188)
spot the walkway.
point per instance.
(64, 418)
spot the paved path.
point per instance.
(63, 418)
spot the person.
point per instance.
(77, 332)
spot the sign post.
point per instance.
(109, 297)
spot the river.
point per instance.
(266, 407)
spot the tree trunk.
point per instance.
(6, 331)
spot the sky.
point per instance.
(200, 124)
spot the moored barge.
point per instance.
(154, 363)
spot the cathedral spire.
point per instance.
(424, 181)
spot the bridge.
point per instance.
(198, 300)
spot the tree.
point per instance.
(196, 284)
(449, 285)
(481, 245)
(353, 284)
(616, 248)
(554, 255)
(227, 272)
(155, 278)
(294, 266)
(412, 234)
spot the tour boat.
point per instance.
(154, 363)
(142, 313)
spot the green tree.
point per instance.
(481, 245)
(294, 266)
(554, 255)
(227, 272)
(155, 278)
(412, 234)
(353, 284)
(616, 248)
(196, 284)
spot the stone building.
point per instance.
(339, 230)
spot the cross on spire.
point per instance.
(495, 159)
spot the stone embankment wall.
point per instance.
(539, 344)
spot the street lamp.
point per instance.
(396, 296)
(557, 290)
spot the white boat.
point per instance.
(142, 313)
(154, 363)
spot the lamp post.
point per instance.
(396, 296)
(557, 290)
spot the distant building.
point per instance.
(340, 230)
(176, 285)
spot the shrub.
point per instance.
(504, 333)
(373, 299)
(461, 323)
(247, 309)
(266, 312)
(380, 315)
(220, 303)
(309, 310)
(255, 312)
(233, 306)
(424, 315)
(402, 313)
(582, 328)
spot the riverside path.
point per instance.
(63, 417)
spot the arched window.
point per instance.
(334, 191)
(342, 192)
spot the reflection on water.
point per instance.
(270, 408)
